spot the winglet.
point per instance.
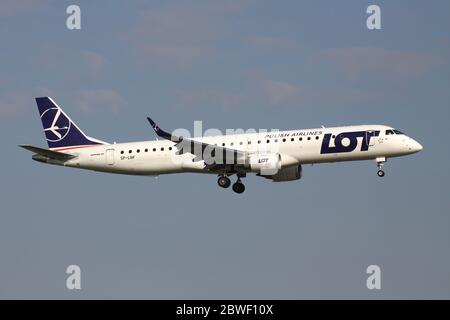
(163, 134)
(152, 123)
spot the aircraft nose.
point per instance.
(414, 146)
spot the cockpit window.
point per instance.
(393, 131)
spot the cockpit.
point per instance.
(393, 131)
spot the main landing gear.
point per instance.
(380, 162)
(238, 186)
(225, 182)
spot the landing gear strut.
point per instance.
(380, 162)
(224, 181)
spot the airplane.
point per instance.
(278, 156)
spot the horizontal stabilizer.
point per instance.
(48, 153)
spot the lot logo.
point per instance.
(347, 141)
(56, 126)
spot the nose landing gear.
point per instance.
(380, 162)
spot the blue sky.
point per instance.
(231, 64)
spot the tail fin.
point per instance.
(60, 131)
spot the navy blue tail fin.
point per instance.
(60, 131)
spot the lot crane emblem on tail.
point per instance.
(59, 126)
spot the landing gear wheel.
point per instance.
(224, 182)
(238, 187)
(380, 161)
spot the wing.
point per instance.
(216, 157)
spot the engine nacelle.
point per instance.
(288, 174)
(265, 163)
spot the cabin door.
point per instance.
(110, 156)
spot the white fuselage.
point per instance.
(296, 147)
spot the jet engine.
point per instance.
(288, 174)
(265, 163)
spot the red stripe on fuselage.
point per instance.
(71, 148)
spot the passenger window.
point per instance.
(138, 150)
(317, 137)
(268, 141)
(240, 143)
(170, 148)
(121, 152)
(292, 139)
(223, 144)
(129, 151)
(309, 138)
(284, 140)
(154, 149)
(249, 142)
(259, 141)
(146, 150)
(162, 149)
(300, 139)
